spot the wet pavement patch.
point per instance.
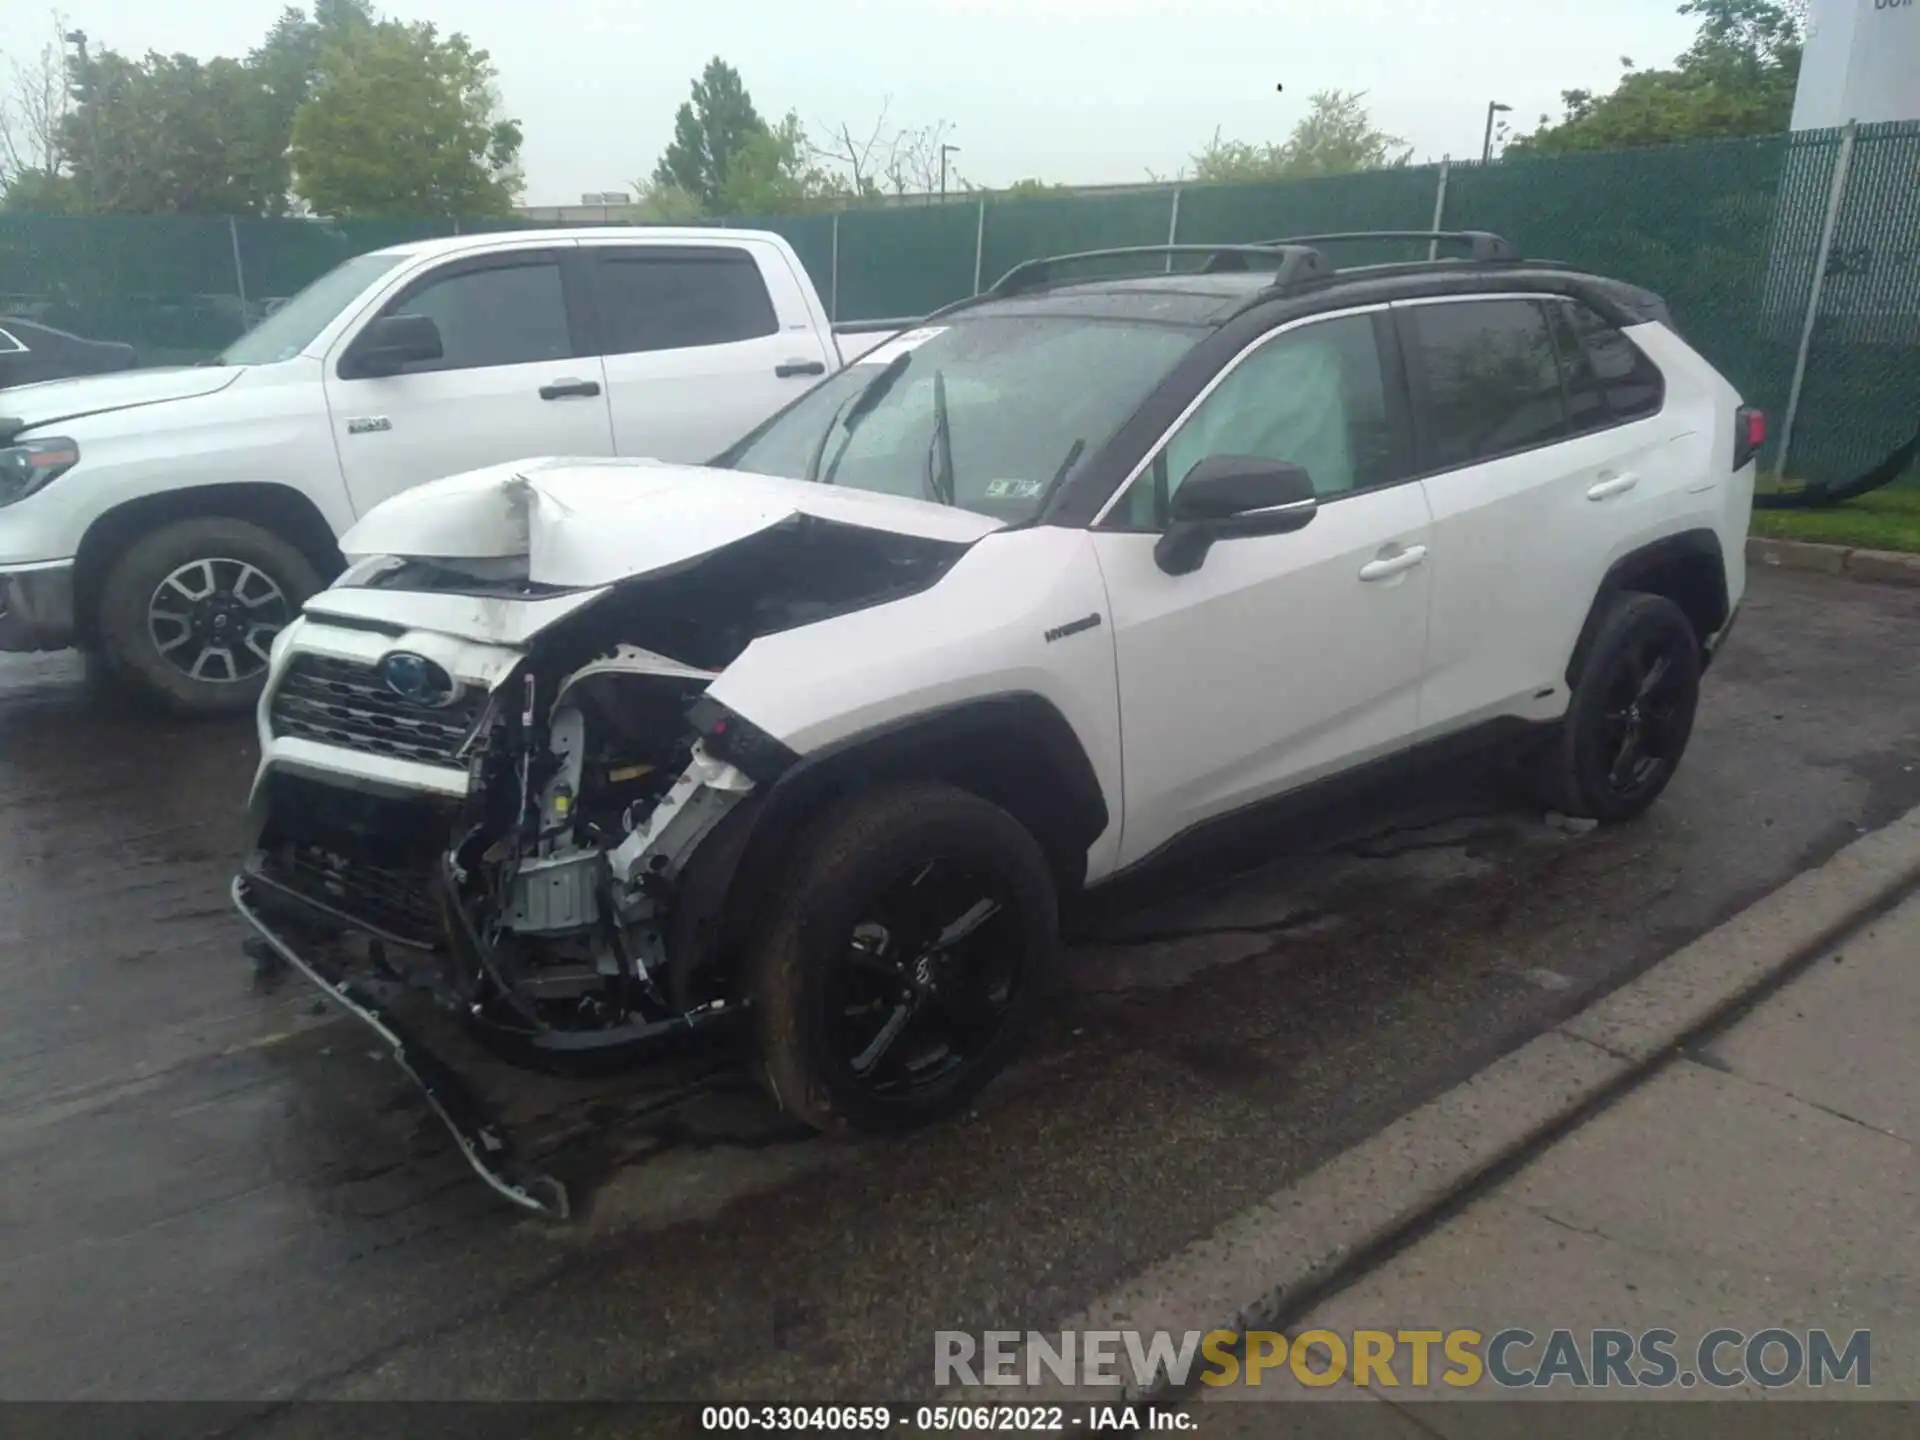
(208, 1191)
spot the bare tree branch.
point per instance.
(863, 160)
(35, 98)
(915, 165)
(902, 160)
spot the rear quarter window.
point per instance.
(1610, 380)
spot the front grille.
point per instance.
(345, 703)
(397, 902)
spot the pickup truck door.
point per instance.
(516, 377)
(700, 341)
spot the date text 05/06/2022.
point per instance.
(932, 1419)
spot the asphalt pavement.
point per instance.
(207, 1190)
(1744, 1199)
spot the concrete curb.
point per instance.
(1265, 1266)
(1877, 567)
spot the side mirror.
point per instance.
(393, 342)
(1231, 497)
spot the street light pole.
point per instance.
(1494, 107)
(945, 150)
(79, 80)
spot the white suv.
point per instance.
(1071, 575)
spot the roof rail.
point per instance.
(1481, 245)
(1293, 263)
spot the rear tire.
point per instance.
(903, 958)
(187, 613)
(1631, 715)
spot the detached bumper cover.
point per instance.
(36, 607)
(479, 1135)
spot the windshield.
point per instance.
(291, 328)
(985, 413)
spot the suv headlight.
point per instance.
(32, 464)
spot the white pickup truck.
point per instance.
(171, 522)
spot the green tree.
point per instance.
(1033, 189)
(174, 134)
(659, 204)
(1737, 78)
(710, 132)
(40, 192)
(774, 173)
(1335, 137)
(169, 134)
(403, 122)
(287, 64)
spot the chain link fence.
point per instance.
(1791, 261)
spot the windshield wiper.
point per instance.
(1073, 454)
(852, 411)
(939, 474)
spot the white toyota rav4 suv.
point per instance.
(1070, 575)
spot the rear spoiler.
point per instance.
(1643, 307)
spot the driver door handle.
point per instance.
(1389, 566)
(1613, 485)
(561, 389)
(788, 369)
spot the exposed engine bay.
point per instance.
(538, 907)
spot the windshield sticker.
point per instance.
(901, 345)
(1015, 489)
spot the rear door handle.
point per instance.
(792, 368)
(1389, 566)
(561, 389)
(1613, 485)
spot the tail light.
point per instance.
(1749, 435)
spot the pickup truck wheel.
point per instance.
(188, 613)
(1631, 715)
(902, 961)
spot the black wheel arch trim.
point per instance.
(1015, 749)
(1698, 550)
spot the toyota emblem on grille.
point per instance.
(418, 680)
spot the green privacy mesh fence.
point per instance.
(1735, 234)
(1862, 393)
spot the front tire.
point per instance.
(903, 959)
(187, 613)
(1631, 715)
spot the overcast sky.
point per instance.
(1086, 91)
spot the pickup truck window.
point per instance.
(512, 313)
(291, 328)
(675, 300)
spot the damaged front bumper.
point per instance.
(480, 1136)
(363, 819)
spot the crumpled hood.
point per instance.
(594, 522)
(53, 402)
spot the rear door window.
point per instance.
(680, 299)
(1489, 377)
